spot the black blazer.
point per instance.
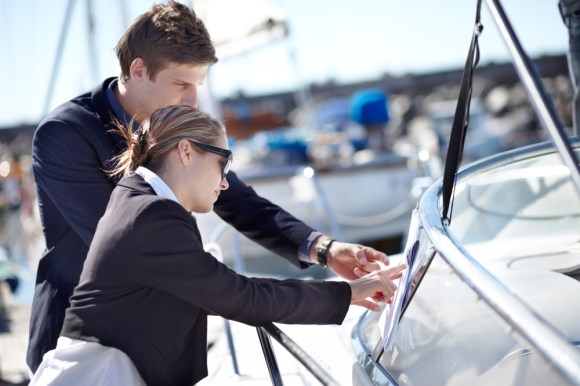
(147, 287)
(71, 148)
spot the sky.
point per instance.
(341, 40)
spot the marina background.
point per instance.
(414, 50)
(339, 41)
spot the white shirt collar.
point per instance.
(158, 185)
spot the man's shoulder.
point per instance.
(87, 109)
(72, 109)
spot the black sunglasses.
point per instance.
(227, 154)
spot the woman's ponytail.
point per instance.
(136, 153)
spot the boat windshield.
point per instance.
(519, 217)
(527, 207)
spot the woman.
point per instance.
(147, 285)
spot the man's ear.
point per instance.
(138, 70)
(185, 151)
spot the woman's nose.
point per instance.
(224, 184)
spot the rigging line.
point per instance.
(6, 25)
(123, 13)
(58, 57)
(7, 39)
(92, 43)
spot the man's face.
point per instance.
(176, 84)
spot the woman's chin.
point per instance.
(202, 209)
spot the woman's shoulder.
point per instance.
(164, 218)
(135, 193)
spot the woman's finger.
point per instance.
(369, 305)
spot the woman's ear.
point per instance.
(185, 151)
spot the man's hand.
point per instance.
(343, 258)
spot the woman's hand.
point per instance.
(377, 285)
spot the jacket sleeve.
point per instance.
(169, 256)
(261, 220)
(65, 163)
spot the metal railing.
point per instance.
(308, 362)
(541, 101)
(551, 344)
(561, 355)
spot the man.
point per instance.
(164, 56)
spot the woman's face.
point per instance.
(206, 182)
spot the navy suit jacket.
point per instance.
(72, 148)
(148, 285)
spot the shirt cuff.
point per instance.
(306, 245)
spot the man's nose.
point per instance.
(190, 98)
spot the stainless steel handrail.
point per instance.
(269, 356)
(564, 357)
(311, 365)
(549, 342)
(541, 101)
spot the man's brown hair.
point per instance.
(167, 33)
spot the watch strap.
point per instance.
(322, 252)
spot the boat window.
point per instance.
(448, 336)
(528, 206)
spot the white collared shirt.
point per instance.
(158, 185)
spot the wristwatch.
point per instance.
(322, 252)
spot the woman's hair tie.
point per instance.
(143, 140)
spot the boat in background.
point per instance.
(327, 173)
(345, 201)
